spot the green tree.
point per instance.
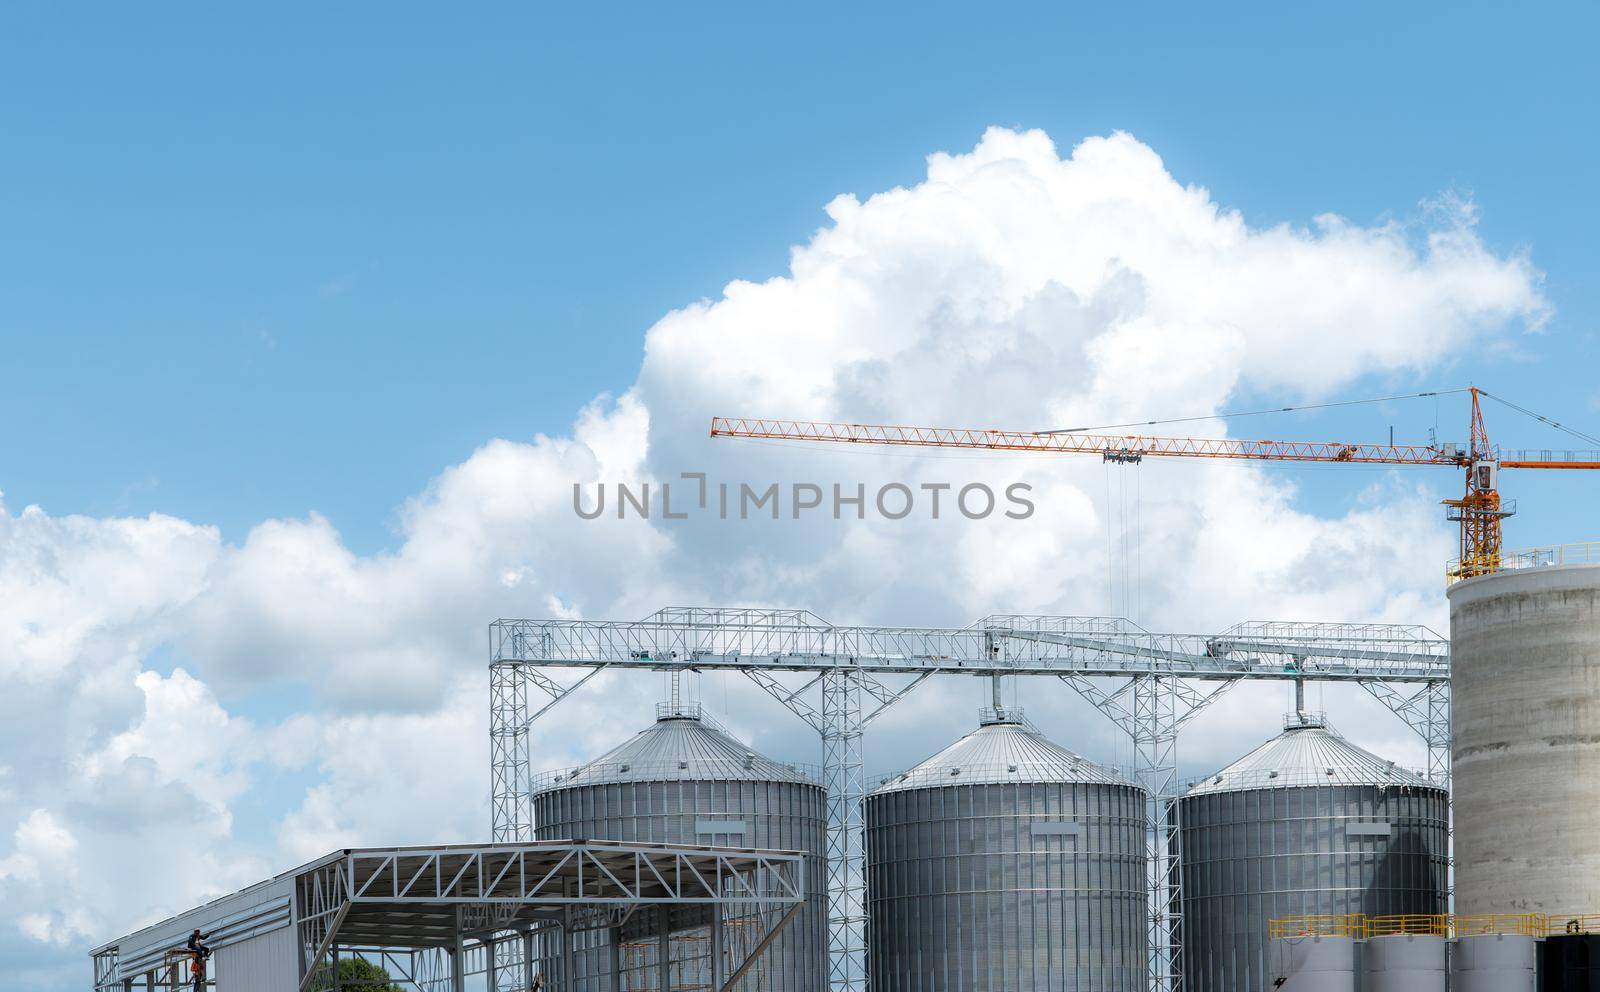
(356, 975)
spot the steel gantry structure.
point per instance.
(1150, 684)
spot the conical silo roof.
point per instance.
(1002, 750)
(679, 746)
(1308, 753)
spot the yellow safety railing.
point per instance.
(1483, 924)
(1577, 923)
(1316, 926)
(1432, 925)
(1585, 553)
(1418, 924)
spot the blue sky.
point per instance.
(264, 263)
(308, 259)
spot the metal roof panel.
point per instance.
(1002, 751)
(1308, 753)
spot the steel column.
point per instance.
(508, 752)
(1427, 711)
(664, 949)
(719, 966)
(569, 962)
(527, 958)
(1151, 710)
(1155, 742)
(845, 779)
(614, 946)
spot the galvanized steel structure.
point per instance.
(432, 916)
(1150, 684)
(1306, 824)
(1006, 862)
(685, 781)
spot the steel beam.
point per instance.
(1425, 710)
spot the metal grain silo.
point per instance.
(686, 781)
(1006, 862)
(1524, 652)
(1306, 824)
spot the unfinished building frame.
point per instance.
(431, 917)
(1150, 684)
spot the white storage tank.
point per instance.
(1525, 722)
(1311, 964)
(1404, 962)
(1495, 962)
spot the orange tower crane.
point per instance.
(1480, 509)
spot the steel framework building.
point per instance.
(1150, 684)
(432, 916)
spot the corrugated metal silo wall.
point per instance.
(1253, 855)
(963, 893)
(788, 816)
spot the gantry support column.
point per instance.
(847, 788)
(1155, 745)
(840, 721)
(508, 753)
(1427, 711)
(1152, 709)
(511, 714)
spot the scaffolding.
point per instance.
(842, 678)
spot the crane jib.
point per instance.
(1479, 511)
(1129, 448)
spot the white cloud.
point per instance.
(133, 829)
(1012, 287)
(77, 586)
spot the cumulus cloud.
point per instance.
(1013, 286)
